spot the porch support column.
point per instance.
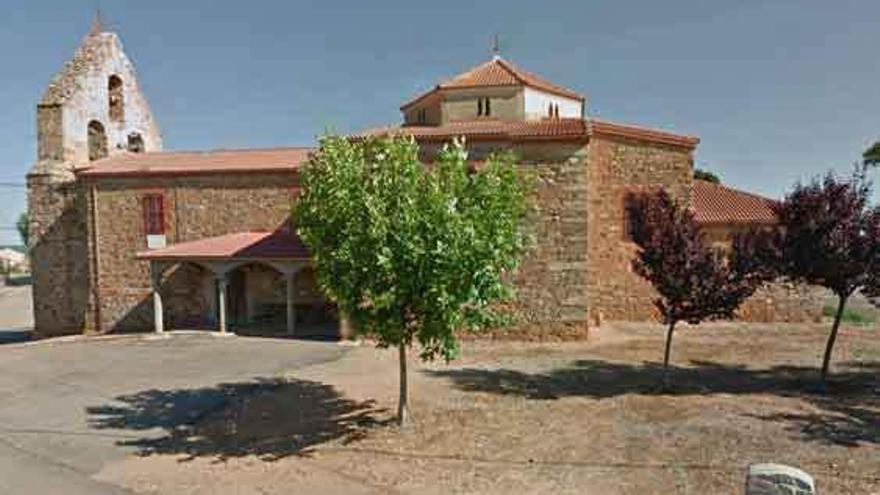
(155, 281)
(291, 308)
(288, 270)
(221, 302)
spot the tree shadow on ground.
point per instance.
(270, 419)
(848, 411)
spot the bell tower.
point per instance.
(92, 109)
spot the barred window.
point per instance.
(154, 214)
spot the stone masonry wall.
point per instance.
(59, 254)
(195, 208)
(780, 301)
(551, 283)
(619, 166)
(784, 302)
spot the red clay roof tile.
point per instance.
(498, 72)
(717, 204)
(198, 162)
(602, 127)
(488, 129)
(240, 245)
(548, 129)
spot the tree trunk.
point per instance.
(402, 408)
(669, 332)
(829, 347)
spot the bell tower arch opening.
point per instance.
(97, 141)
(116, 98)
(135, 143)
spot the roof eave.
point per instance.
(440, 88)
(149, 256)
(92, 173)
(599, 127)
(738, 223)
(421, 97)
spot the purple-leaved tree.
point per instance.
(830, 236)
(694, 282)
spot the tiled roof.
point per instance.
(603, 127)
(489, 129)
(198, 162)
(713, 204)
(240, 245)
(547, 129)
(499, 72)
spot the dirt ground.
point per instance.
(574, 417)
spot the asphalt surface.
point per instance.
(67, 408)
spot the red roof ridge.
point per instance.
(519, 76)
(212, 150)
(600, 126)
(544, 129)
(708, 183)
(528, 78)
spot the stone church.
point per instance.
(128, 237)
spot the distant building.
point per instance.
(13, 260)
(126, 236)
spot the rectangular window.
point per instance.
(630, 200)
(636, 197)
(154, 214)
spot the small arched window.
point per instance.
(135, 143)
(97, 141)
(479, 107)
(116, 98)
(488, 109)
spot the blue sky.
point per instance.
(777, 90)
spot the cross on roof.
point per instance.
(97, 22)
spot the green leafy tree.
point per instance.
(412, 252)
(23, 226)
(706, 175)
(872, 154)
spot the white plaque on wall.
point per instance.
(155, 241)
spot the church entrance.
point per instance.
(259, 283)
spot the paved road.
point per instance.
(65, 407)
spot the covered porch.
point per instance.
(248, 280)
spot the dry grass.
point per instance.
(576, 417)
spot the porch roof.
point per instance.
(278, 245)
